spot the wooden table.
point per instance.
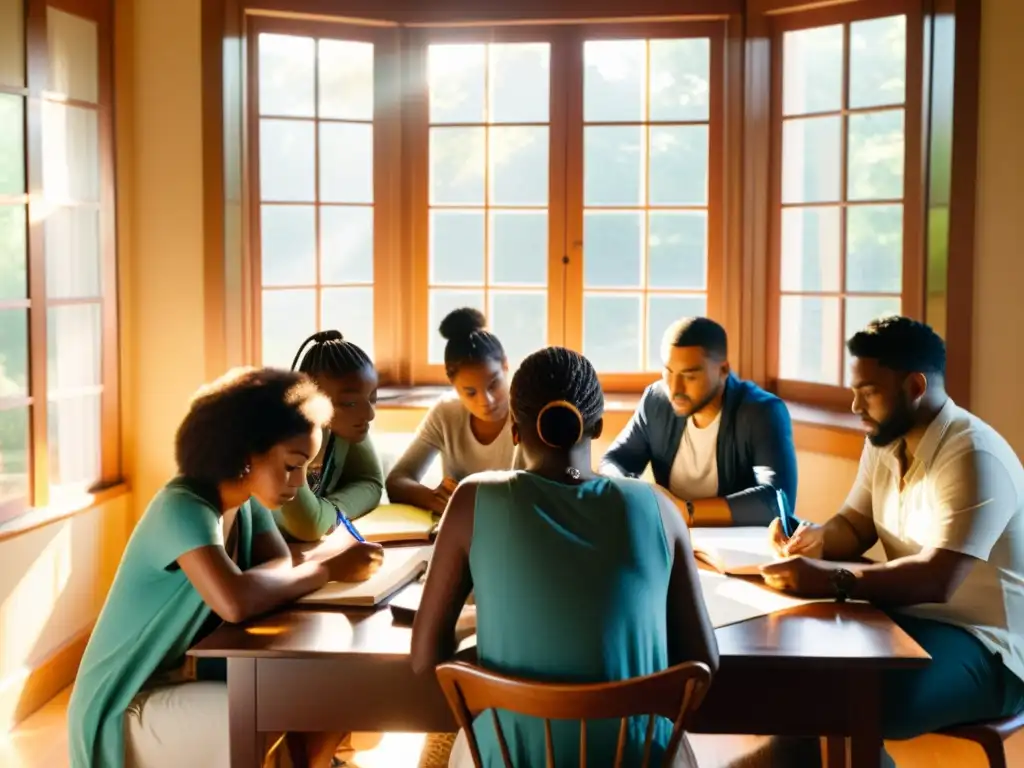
(809, 671)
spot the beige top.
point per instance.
(964, 491)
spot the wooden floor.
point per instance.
(41, 742)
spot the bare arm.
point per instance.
(448, 584)
(691, 637)
(403, 483)
(931, 576)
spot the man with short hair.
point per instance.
(944, 493)
(722, 446)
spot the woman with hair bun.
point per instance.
(577, 577)
(469, 428)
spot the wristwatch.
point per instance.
(842, 582)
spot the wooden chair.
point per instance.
(989, 736)
(674, 694)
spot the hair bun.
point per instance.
(461, 323)
(560, 424)
(329, 335)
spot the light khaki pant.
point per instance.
(178, 725)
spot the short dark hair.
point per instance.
(330, 355)
(700, 332)
(556, 376)
(900, 344)
(468, 340)
(242, 414)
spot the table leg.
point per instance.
(246, 745)
(835, 752)
(866, 739)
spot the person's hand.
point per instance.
(807, 540)
(778, 538)
(442, 493)
(355, 563)
(800, 576)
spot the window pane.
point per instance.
(287, 151)
(613, 80)
(13, 353)
(662, 311)
(812, 70)
(71, 160)
(12, 145)
(519, 166)
(457, 166)
(346, 244)
(679, 165)
(811, 160)
(613, 165)
(12, 51)
(611, 331)
(73, 256)
(346, 79)
(811, 249)
(350, 310)
(73, 56)
(286, 75)
(875, 169)
(346, 162)
(288, 318)
(457, 247)
(455, 75)
(13, 252)
(14, 454)
(874, 248)
(74, 442)
(519, 247)
(680, 79)
(613, 249)
(288, 244)
(859, 312)
(878, 62)
(520, 82)
(809, 339)
(74, 346)
(441, 303)
(677, 249)
(520, 320)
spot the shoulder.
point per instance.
(655, 401)
(178, 498)
(969, 439)
(447, 410)
(752, 401)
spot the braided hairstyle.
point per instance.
(557, 390)
(330, 355)
(468, 341)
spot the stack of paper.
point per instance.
(397, 522)
(401, 566)
(733, 551)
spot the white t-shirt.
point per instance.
(694, 473)
(963, 491)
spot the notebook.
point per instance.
(397, 522)
(733, 551)
(730, 600)
(401, 566)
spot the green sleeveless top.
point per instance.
(571, 585)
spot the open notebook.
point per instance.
(733, 551)
(401, 566)
(397, 522)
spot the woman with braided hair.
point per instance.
(577, 577)
(470, 428)
(345, 480)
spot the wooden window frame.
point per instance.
(37, 303)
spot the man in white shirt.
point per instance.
(944, 493)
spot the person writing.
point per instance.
(723, 447)
(944, 494)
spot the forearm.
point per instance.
(405, 490)
(306, 517)
(906, 581)
(274, 584)
(841, 540)
(357, 498)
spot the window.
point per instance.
(846, 226)
(58, 311)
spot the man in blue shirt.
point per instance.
(723, 447)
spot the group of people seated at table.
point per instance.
(577, 575)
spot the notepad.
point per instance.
(733, 551)
(401, 566)
(397, 522)
(730, 600)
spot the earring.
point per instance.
(574, 473)
(245, 470)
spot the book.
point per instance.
(730, 600)
(733, 551)
(405, 604)
(401, 566)
(397, 522)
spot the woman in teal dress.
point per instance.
(345, 478)
(206, 550)
(578, 578)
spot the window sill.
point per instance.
(815, 429)
(37, 517)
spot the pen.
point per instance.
(343, 520)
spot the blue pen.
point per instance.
(343, 520)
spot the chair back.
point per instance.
(674, 694)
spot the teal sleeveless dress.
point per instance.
(571, 585)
